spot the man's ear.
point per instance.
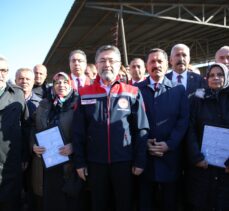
(170, 60)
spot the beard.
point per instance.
(108, 76)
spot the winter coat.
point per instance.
(110, 128)
(13, 113)
(207, 188)
(44, 180)
(168, 114)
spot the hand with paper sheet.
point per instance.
(52, 147)
(53, 173)
(215, 145)
(207, 144)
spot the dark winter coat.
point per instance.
(13, 113)
(110, 128)
(207, 188)
(168, 116)
(49, 182)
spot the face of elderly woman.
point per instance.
(216, 78)
(61, 86)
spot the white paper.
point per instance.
(215, 145)
(52, 140)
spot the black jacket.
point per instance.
(207, 188)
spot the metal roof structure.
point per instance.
(138, 25)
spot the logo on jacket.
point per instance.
(88, 102)
(123, 104)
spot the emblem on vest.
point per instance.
(123, 104)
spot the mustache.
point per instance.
(155, 69)
(180, 62)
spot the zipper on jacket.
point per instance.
(108, 129)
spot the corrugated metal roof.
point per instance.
(202, 25)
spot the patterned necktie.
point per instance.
(179, 77)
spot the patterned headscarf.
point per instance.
(58, 100)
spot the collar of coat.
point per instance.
(165, 83)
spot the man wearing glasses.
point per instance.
(12, 116)
(109, 134)
(78, 65)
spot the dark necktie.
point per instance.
(78, 83)
(156, 87)
(179, 77)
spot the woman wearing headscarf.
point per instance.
(48, 183)
(207, 184)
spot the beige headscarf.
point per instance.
(225, 71)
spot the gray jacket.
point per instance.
(13, 113)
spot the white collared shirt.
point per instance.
(133, 81)
(152, 82)
(183, 79)
(107, 88)
(82, 80)
(29, 97)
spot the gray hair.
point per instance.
(180, 45)
(24, 69)
(40, 66)
(108, 48)
(226, 47)
(2, 58)
(79, 52)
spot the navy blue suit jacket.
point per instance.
(194, 81)
(168, 116)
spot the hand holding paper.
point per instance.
(38, 150)
(66, 149)
(53, 143)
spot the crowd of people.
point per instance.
(133, 136)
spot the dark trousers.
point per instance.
(11, 205)
(36, 202)
(107, 180)
(157, 196)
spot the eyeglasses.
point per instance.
(3, 71)
(78, 60)
(111, 61)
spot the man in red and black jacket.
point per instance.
(110, 130)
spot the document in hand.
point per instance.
(215, 145)
(52, 140)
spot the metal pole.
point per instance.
(123, 39)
